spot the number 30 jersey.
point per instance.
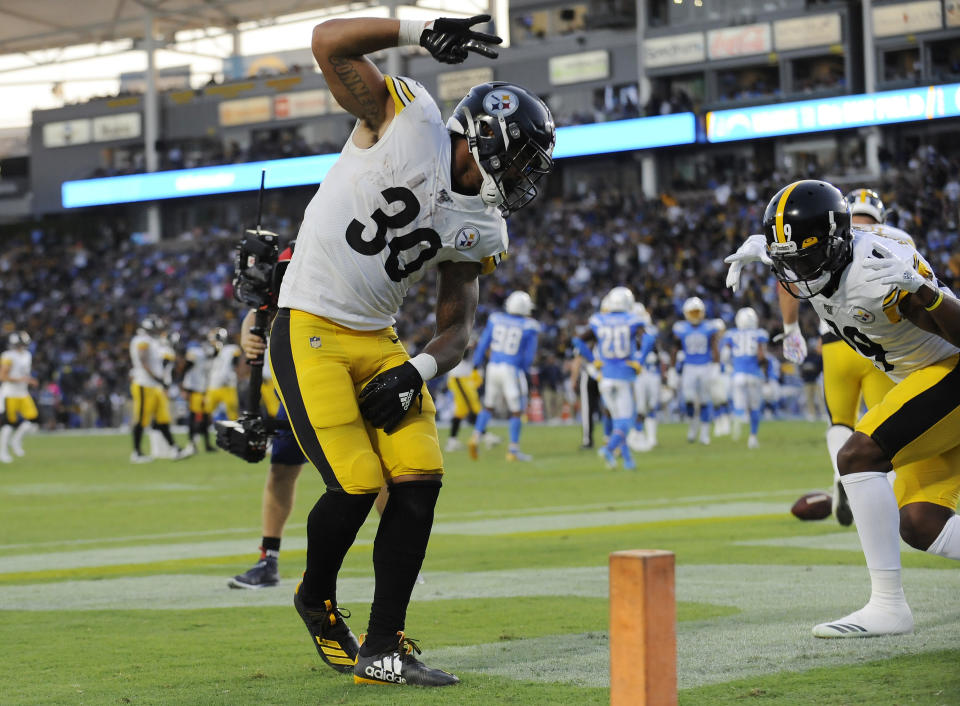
(381, 215)
(865, 314)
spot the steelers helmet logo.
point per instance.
(501, 103)
(467, 237)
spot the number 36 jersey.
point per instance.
(866, 316)
(384, 213)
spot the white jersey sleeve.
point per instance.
(382, 215)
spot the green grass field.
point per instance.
(113, 580)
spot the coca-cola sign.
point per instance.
(739, 41)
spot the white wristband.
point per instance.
(426, 365)
(409, 34)
(791, 328)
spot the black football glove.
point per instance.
(385, 399)
(245, 438)
(450, 39)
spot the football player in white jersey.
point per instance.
(19, 409)
(406, 192)
(196, 372)
(882, 298)
(222, 380)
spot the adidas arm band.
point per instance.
(426, 365)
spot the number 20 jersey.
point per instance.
(866, 316)
(381, 215)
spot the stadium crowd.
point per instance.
(82, 298)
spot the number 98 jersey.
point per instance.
(865, 314)
(384, 213)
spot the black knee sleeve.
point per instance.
(398, 553)
(331, 528)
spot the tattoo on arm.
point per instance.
(369, 110)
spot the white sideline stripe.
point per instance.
(778, 604)
(839, 541)
(142, 554)
(512, 512)
(86, 489)
(606, 519)
(148, 553)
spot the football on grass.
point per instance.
(812, 506)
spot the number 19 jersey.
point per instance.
(381, 215)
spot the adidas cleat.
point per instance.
(335, 643)
(400, 666)
(263, 574)
(869, 622)
(473, 448)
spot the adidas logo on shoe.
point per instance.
(389, 672)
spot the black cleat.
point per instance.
(335, 644)
(263, 574)
(841, 509)
(400, 666)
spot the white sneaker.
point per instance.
(140, 458)
(691, 435)
(869, 621)
(453, 444)
(5, 458)
(752, 442)
(491, 440)
(185, 452)
(705, 436)
(16, 448)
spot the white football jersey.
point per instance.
(866, 316)
(20, 363)
(223, 372)
(168, 357)
(384, 213)
(195, 379)
(139, 373)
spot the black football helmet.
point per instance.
(868, 203)
(807, 225)
(511, 134)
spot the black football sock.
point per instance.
(398, 553)
(167, 436)
(137, 438)
(270, 546)
(331, 528)
(454, 427)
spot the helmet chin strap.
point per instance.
(489, 191)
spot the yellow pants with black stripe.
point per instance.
(150, 404)
(319, 369)
(917, 424)
(195, 403)
(466, 400)
(227, 396)
(269, 398)
(20, 407)
(847, 375)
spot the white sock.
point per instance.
(837, 436)
(651, 426)
(5, 433)
(947, 544)
(878, 524)
(21, 430)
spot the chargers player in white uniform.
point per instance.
(19, 410)
(511, 339)
(882, 298)
(614, 331)
(698, 341)
(646, 387)
(748, 346)
(406, 192)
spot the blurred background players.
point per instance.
(510, 338)
(222, 381)
(748, 348)
(20, 412)
(463, 382)
(646, 387)
(698, 342)
(196, 372)
(614, 330)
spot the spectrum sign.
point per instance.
(575, 141)
(882, 108)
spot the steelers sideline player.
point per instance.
(19, 410)
(847, 376)
(406, 192)
(882, 298)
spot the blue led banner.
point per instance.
(882, 108)
(576, 141)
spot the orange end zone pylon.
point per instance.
(643, 628)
